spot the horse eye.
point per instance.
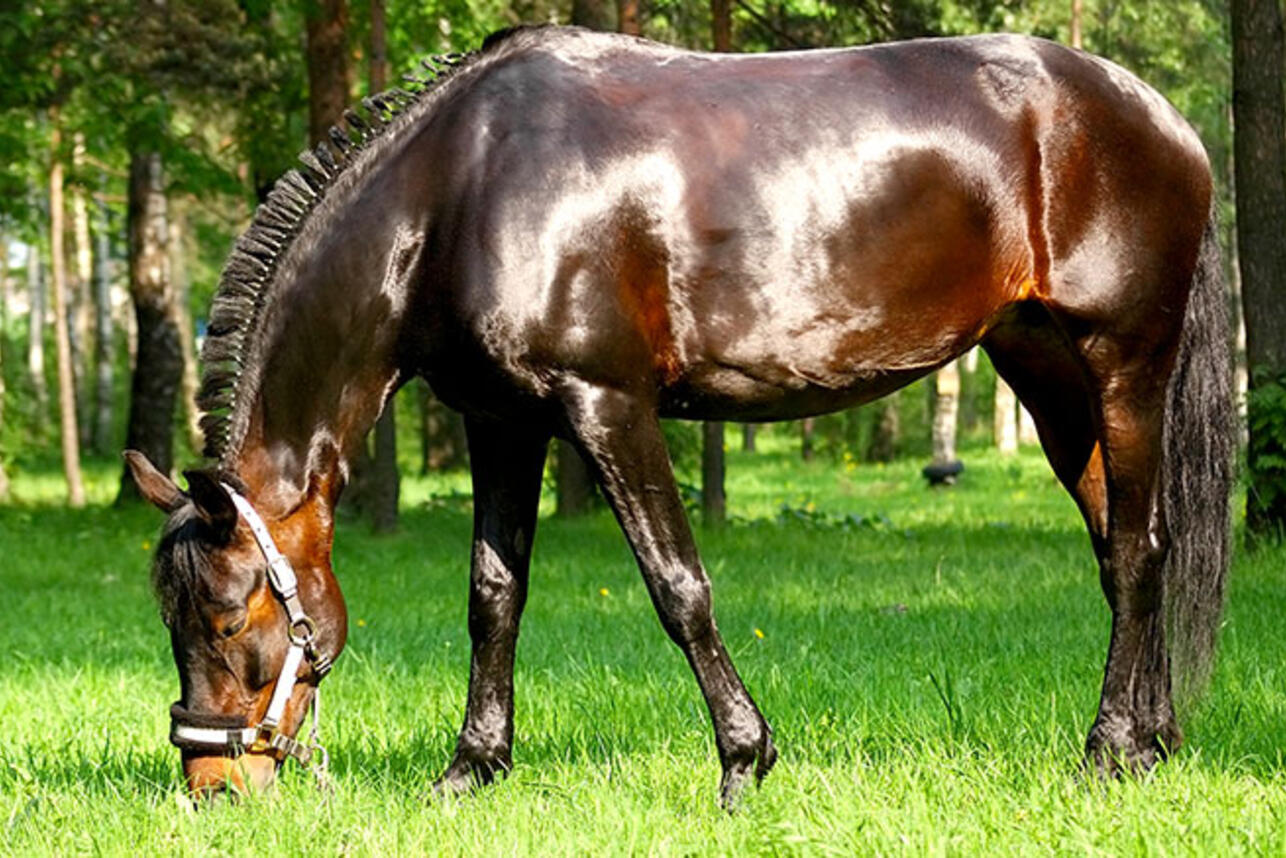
(232, 628)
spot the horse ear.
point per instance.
(213, 503)
(159, 489)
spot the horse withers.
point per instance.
(570, 234)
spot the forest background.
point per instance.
(138, 135)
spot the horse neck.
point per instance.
(328, 354)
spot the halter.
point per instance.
(266, 736)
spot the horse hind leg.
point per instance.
(1100, 422)
(622, 438)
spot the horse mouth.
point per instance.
(211, 775)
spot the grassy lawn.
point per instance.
(930, 662)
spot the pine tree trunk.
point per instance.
(386, 482)
(594, 14)
(68, 430)
(158, 369)
(328, 74)
(627, 17)
(883, 445)
(1006, 419)
(714, 503)
(36, 338)
(807, 429)
(1260, 147)
(573, 485)
(1027, 434)
(187, 336)
(748, 431)
(103, 336)
(573, 482)
(443, 445)
(1077, 16)
(721, 25)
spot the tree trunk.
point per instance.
(627, 17)
(443, 445)
(1077, 9)
(4, 330)
(807, 429)
(36, 338)
(748, 431)
(573, 485)
(946, 410)
(81, 330)
(573, 482)
(103, 351)
(1260, 146)
(714, 503)
(594, 14)
(68, 430)
(883, 445)
(721, 25)
(328, 74)
(1027, 434)
(158, 368)
(1006, 418)
(386, 482)
(187, 337)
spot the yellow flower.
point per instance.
(602, 591)
(361, 623)
(759, 633)
(147, 546)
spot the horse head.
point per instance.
(255, 617)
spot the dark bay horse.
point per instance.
(570, 234)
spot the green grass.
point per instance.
(930, 671)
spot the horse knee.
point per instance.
(683, 603)
(496, 596)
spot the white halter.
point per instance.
(266, 737)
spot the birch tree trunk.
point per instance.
(81, 332)
(4, 331)
(103, 336)
(946, 410)
(36, 337)
(1006, 418)
(68, 429)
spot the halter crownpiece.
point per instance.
(266, 736)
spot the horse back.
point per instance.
(763, 236)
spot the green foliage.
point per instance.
(1266, 454)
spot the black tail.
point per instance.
(1199, 447)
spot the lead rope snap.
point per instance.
(321, 758)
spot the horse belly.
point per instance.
(848, 296)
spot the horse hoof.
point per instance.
(737, 775)
(1110, 757)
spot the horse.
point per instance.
(571, 234)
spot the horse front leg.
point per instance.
(622, 437)
(507, 467)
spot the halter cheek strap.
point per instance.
(266, 736)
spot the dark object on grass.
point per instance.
(943, 473)
(576, 233)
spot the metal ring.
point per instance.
(310, 631)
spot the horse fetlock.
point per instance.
(751, 759)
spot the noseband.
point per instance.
(266, 737)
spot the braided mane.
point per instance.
(246, 285)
